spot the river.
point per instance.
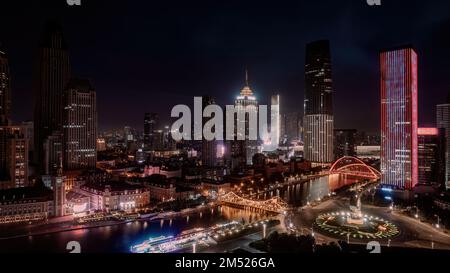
(119, 238)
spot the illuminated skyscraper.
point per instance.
(443, 121)
(5, 90)
(247, 106)
(52, 73)
(399, 164)
(318, 120)
(80, 126)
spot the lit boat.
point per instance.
(190, 231)
(188, 210)
(148, 245)
(166, 214)
(148, 215)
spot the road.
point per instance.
(413, 233)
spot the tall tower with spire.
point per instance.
(51, 74)
(245, 103)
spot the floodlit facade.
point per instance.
(399, 161)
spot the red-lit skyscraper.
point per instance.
(399, 164)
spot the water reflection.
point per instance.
(118, 238)
(313, 190)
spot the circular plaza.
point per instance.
(361, 227)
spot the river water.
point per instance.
(119, 238)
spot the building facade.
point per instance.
(59, 194)
(80, 126)
(246, 107)
(209, 147)
(431, 155)
(344, 143)
(443, 121)
(25, 205)
(5, 90)
(53, 152)
(150, 126)
(318, 119)
(291, 128)
(51, 74)
(271, 141)
(13, 157)
(399, 162)
(113, 196)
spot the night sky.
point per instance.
(147, 56)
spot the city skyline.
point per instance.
(355, 75)
(352, 157)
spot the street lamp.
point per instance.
(264, 230)
(438, 220)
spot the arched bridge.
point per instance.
(275, 204)
(353, 166)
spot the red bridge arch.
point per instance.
(350, 165)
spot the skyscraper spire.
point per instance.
(246, 91)
(246, 77)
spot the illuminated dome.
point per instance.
(246, 91)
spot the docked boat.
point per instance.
(150, 244)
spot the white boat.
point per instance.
(148, 215)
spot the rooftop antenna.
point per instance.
(246, 77)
